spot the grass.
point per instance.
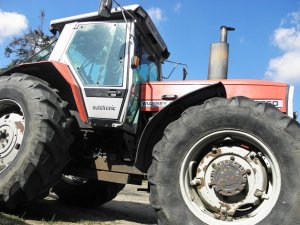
(86, 222)
(6, 219)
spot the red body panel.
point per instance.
(66, 73)
(155, 95)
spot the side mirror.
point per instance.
(105, 8)
(184, 73)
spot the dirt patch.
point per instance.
(129, 208)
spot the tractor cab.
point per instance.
(109, 58)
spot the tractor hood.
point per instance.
(157, 95)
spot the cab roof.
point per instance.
(135, 12)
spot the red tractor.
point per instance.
(91, 113)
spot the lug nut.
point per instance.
(252, 155)
(211, 185)
(258, 193)
(248, 171)
(214, 150)
(217, 216)
(232, 158)
(195, 182)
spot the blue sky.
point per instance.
(265, 45)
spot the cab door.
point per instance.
(97, 54)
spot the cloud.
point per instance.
(285, 68)
(11, 23)
(286, 37)
(177, 7)
(156, 14)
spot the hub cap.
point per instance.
(12, 128)
(228, 177)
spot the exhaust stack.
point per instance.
(218, 60)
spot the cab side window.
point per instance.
(147, 70)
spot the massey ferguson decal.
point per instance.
(161, 104)
(104, 107)
(276, 103)
(154, 104)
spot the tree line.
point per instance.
(25, 46)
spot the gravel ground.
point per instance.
(130, 207)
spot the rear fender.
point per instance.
(153, 132)
(59, 76)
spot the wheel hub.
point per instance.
(228, 177)
(228, 180)
(12, 128)
(6, 138)
(237, 179)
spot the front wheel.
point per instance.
(225, 162)
(35, 136)
(80, 191)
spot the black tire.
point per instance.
(187, 139)
(43, 151)
(75, 191)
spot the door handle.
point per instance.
(114, 93)
(169, 97)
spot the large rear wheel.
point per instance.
(34, 139)
(227, 162)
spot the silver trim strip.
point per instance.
(91, 15)
(290, 105)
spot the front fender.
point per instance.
(59, 76)
(154, 130)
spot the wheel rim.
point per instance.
(74, 180)
(230, 176)
(12, 129)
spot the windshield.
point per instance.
(43, 54)
(97, 53)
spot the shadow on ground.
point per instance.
(127, 208)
